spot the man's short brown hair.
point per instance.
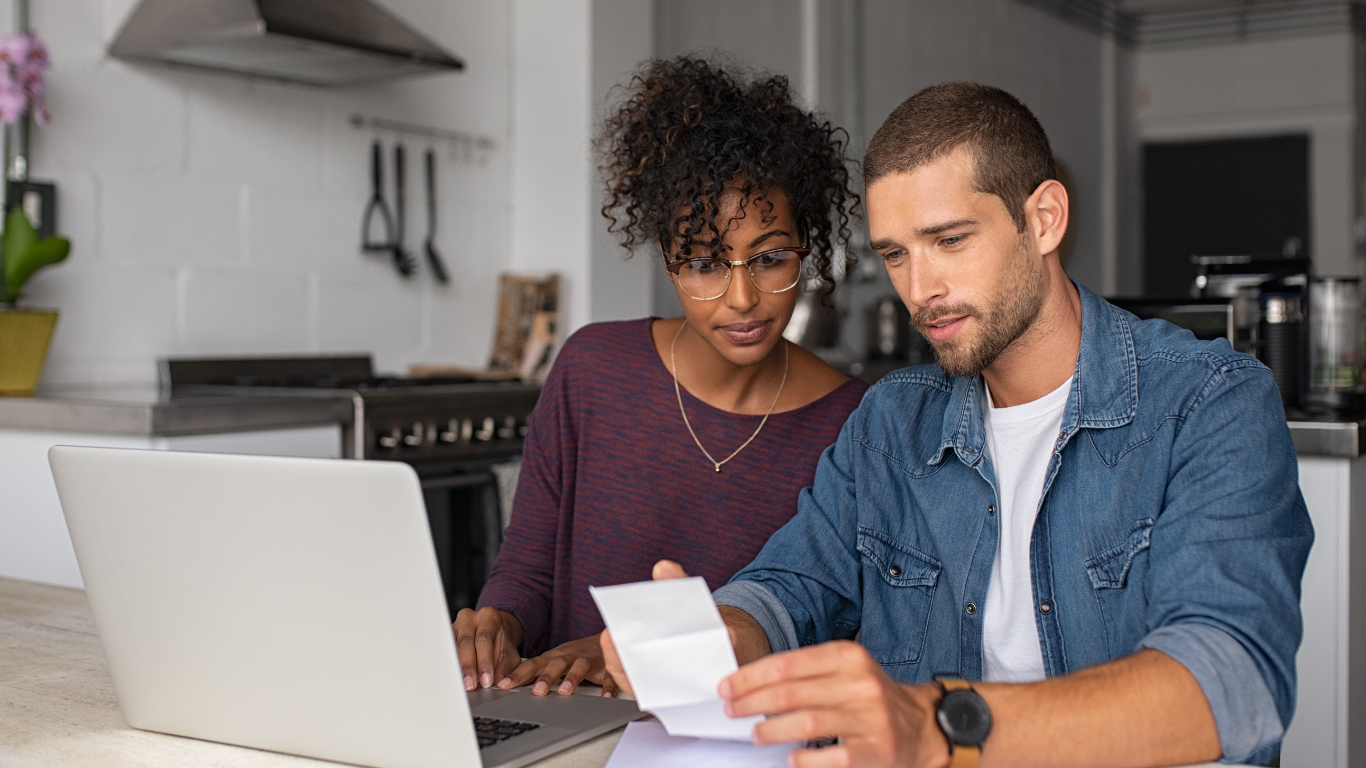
(1010, 147)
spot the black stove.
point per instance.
(422, 421)
(451, 430)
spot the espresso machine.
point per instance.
(1307, 330)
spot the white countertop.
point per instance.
(58, 708)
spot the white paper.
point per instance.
(647, 745)
(676, 650)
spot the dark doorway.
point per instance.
(1217, 198)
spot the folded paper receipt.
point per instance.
(676, 650)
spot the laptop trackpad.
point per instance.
(480, 696)
(577, 711)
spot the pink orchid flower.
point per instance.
(23, 59)
(14, 48)
(13, 101)
(37, 51)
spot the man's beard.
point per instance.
(1018, 303)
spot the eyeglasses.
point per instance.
(772, 271)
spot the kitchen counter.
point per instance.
(149, 412)
(58, 707)
(1341, 439)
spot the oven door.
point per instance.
(465, 515)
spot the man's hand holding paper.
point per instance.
(830, 689)
(669, 637)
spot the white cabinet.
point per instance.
(1330, 716)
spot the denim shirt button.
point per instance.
(1045, 607)
(967, 449)
(894, 571)
(991, 510)
(972, 608)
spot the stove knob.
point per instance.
(486, 430)
(522, 429)
(392, 439)
(466, 430)
(451, 433)
(509, 428)
(414, 439)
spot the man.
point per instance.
(1094, 519)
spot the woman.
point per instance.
(687, 438)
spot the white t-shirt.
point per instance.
(1021, 440)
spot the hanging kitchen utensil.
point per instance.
(403, 261)
(376, 206)
(433, 257)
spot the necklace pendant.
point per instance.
(678, 393)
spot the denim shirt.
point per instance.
(1171, 518)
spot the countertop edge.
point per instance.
(174, 419)
(75, 416)
(1327, 439)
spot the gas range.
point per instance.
(421, 421)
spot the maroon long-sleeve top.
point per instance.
(612, 482)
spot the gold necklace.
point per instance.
(678, 392)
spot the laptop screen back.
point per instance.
(285, 604)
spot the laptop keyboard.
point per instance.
(491, 731)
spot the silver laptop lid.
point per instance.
(286, 604)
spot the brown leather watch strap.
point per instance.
(964, 757)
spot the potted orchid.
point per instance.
(24, 333)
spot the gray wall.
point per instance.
(623, 37)
(1128, 181)
(764, 34)
(1050, 65)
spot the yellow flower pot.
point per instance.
(24, 336)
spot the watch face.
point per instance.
(965, 718)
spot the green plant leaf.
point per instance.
(25, 254)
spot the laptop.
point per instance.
(291, 605)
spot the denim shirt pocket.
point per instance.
(899, 585)
(1123, 611)
(1110, 569)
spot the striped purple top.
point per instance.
(612, 482)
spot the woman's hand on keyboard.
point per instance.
(487, 642)
(568, 665)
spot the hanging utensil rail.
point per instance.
(468, 142)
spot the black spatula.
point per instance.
(433, 257)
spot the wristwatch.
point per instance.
(965, 719)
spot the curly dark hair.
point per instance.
(689, 130)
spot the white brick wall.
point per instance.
(215, 214)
